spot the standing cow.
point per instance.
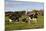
(32, 17)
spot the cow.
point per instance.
(32, 17)
(13, 18)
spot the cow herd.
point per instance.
(19, 18)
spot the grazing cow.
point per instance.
(32, 17)
(13, 18)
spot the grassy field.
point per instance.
(21, 26)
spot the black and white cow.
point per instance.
(14, 18)
(33, 17)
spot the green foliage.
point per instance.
(35, 11)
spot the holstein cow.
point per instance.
(32, 17)
(13, 18)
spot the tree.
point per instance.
(34, 11)
(41, 12)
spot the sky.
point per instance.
(12, 5)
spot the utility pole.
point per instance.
(26, 11)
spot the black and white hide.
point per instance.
(14, 19)
(33, 17)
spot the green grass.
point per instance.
(21, 26)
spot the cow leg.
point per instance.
(35, 20)
(29, 21)
(10, 20)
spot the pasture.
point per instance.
(22, 26)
